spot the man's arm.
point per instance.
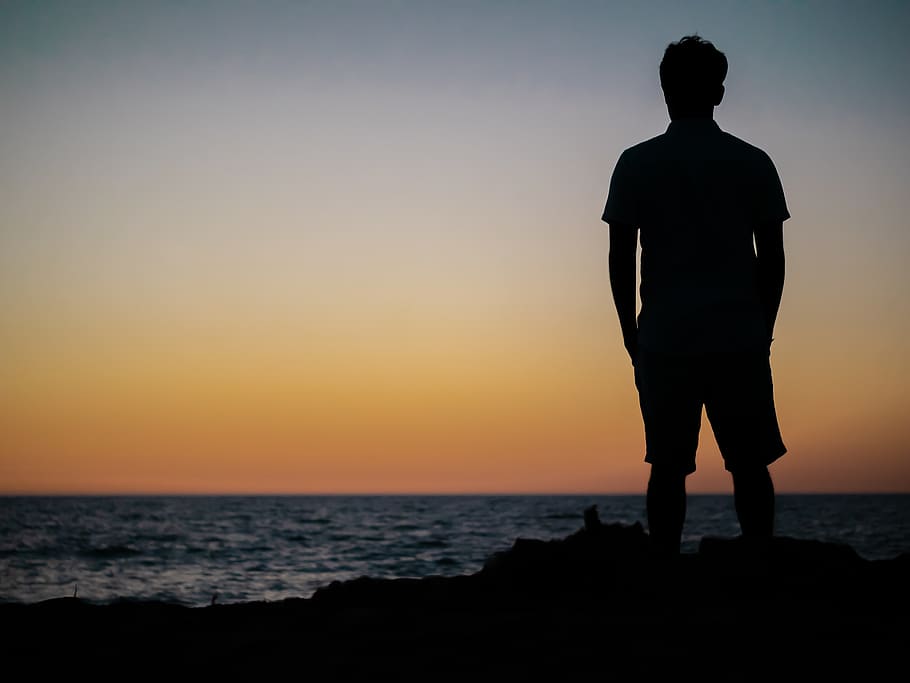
(623, 246)
(769, 248)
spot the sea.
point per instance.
(194, 550)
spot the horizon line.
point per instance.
(401, 494)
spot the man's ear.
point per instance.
(720, 95)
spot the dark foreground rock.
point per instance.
(594, 605)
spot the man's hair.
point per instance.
(692, 72)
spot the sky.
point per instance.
(356, 247)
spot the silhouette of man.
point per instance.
(708, 209)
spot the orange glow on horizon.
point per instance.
(367, 415)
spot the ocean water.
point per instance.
(188, 549)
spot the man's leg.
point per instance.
(753, 497)
(741, 410)
(666, 502)
(671, 407)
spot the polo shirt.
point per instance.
(696, 194)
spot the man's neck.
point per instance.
(691, 118)
(706, 113)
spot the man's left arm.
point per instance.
(769, 249)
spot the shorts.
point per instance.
(736, 392)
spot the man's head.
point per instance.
(692, 74)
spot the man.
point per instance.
(709, 211)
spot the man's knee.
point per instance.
(666, 475)
(750, 474)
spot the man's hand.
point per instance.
(631, 344)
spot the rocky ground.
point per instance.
(592, 606)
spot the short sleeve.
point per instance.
(622, 205)
(771, 205)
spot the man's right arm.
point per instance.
(623, 249)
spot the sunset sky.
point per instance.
(356, 247)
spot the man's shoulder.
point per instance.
(744, 149)
(640, 156)
(645, 147)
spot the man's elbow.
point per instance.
(623, 241)
(621, 261)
